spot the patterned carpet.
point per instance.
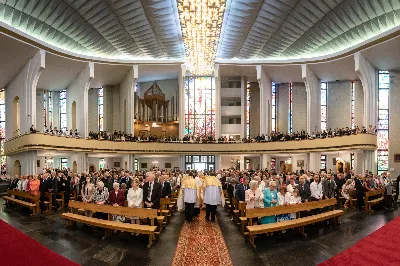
(201, 244)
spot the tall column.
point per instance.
(241, 163)
(243, 108)
(22, 89)
(367, 74)
(127, 93)
(313, 88)
(359, 162)
(265, 84)
(181, 81)
(314, 162)
(77, 92)
(217, 102)
(370, 163)
(182, 162)
(217, 162)
(265, 161)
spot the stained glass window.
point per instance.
(45, 108)
(64, 163)
(273, 111)
(50, 118)
(248, 109)
(290, 109)
(2, 130)
(324, 107)
(100, 93)
(323, 163)
(101, 163)
(352, 161)
(353, 126)
(383, 122)
(63, 109)
(200, 106)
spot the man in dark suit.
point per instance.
(304, 189)
(328, 187)
(241, 188)
(53, 187)
(43, 188)
(166, 187)
(359, 191)
(151, 192)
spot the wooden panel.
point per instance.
(261, 212)
(23, 194)
(138, 212)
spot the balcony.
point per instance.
(46, 142)
(230, 110)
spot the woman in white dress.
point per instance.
(254, 198)
(135, 198)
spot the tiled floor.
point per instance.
(84, 245)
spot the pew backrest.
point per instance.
(374, 193)
(23, 194)
(261, 212)
(125, 211)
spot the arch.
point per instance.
(92, 168)
(16, 116)
(17, 168)
(125, 115)
(74, 167)
(73, 109)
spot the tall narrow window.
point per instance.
(200, 106)
(353, 95)
(324, 100)
(63, 109)
(290, 109)
(2, 130)
(45, 108)
(273, 111)
(323, 163)
(383, 122)
(352, 161)
(136, 165)
(50, 112)
(101, 163)
(248, 109)
(100, 109)
(64, 163)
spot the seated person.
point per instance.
(32, 129)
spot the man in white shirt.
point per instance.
(292, 185)
(212, 196)
(316, 189)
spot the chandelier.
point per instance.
(201, 22)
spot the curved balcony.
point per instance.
(46, 142)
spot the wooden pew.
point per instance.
(296, 223)
(376, 196)
(109, 225)
(35, 206)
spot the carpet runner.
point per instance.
(18, 249)
(379, 248)
(201, 243)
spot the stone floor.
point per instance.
(84, 245)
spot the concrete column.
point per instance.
(23, 86)
(370, 161)
(265, 161)
(314, 162)
(217, 102)
(217, 162)
(243, 108)
(77, 92)
(242, 163)
(40, 96)
(182, 162)
(55, 98)
(127, 93)
(265, 85)
(367, 74)
(358, 163)
(181, 81)
(313, 88)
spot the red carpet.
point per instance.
(18, 249)
(201, 243)
(379, 248)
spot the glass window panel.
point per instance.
(196, 159)
(323, 85)
(2, 97)
(63, 121)
(383, 124)
(383, 139)
(383, 99)
(323, 97)
(383, 153)
(323, 113)
(63, 106)
(383, 80)
(323, 125)
(383, 114)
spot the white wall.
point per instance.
(358, 104)
(111, 108)
(93, 110)
(27, 161)
(339, 104)
(24, 86)
(254, 109)
(299, 105)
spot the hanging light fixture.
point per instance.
(201, 22)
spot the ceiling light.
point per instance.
(201, 22)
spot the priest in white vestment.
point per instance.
(213, 196)
(188, 197)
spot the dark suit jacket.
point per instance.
(328, 188)
(359, 187)
(239, 195)
(120, 199)
(305, 192)
(155, 195)
(166, 190)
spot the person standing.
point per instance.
(165, 187)
(304, 189)
(213, 196)
(270, 200)
(328, 187)
(358, 184)
(188, 197)
(241, 188)
(151, 192)
(135, 198)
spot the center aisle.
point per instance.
(201, 243)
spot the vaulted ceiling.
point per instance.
(252, 29)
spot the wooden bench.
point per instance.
(108, 225)
(296, 223)
(35, 206)
(377, 195)
(165, 207)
